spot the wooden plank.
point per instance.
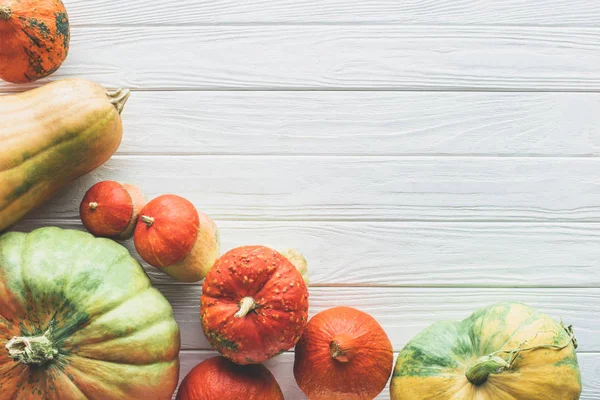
(454, 12)
(398, 253)
(404, 312)
(339, 57)
(283, 369)
(359, 188)
(363, 123)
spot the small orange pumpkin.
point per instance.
(219, 379)
(111, 209)
(343, 354)
(34, 39)
(176, 238)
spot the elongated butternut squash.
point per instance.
(52, 135)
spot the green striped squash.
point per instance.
(507, 351)
(79, 319)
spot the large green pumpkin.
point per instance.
(507, 351)
(79, 319)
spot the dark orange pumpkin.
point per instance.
(219, 379)
(343, 354)
(34, 39)
(111, 209)
(254, 304)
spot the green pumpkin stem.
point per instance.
(35, 350)
(481, 369)
(118, 98)
(246, 305)
(5, 12)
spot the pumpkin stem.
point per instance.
(35, 350)
(147, 220)
(246, 305)
(5, 12)
(93, 205)
(299, 262)
(340, 348)
(118, 98)
(481, 369)
(479, 372)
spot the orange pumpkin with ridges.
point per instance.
(34, 39)
(219, 379)
(254, 304)
(344, 354)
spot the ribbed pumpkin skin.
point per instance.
(35, 37)
(50, 136)
(343, 354)
(219, 379)
(433, 365)
(281, 298)
(115, 335)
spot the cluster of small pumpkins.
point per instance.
(254, 303)
(79, 317)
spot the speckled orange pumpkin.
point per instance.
(34, 39)
(254, 304)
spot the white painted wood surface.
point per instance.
(363, 123)
(358, 188)
(424, 12)
(383, 57)
(428, 157)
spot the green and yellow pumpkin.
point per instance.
(507, 351)
(80, 320)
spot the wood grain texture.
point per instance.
(454, 12)
(398, 253)
(404, 312)
(359, 188)
(363, 123)
(336, 57)
(282, 368)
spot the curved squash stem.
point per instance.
(118, 98)
(515, 353)
(478, 373)
(246, 305)
(5, 13)
(147, 220)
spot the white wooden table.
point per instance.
(428, 156)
